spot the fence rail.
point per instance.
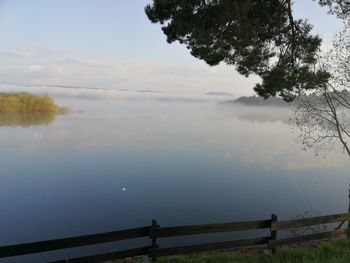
(210, 228)
(49, 245)
(319, 220)
(155, 232)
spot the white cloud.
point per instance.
(19, 54)
(35, 68)
(49, 67)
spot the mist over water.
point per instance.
(114, 164)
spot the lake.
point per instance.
(114, 164)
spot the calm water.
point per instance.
(117, 164)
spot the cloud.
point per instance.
(25, 53)
(50, 67)
(18, 54)
(35, 68)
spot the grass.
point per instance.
(327, 252)
(27, 103)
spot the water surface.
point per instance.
(115, 164)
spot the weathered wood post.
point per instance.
(273, 231)
(153, 237)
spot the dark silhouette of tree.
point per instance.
(256, 36)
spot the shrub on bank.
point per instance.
(27, 103)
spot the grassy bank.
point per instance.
(335, 252)
(27, 103)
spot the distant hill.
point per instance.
(276, 101)
(258, 101)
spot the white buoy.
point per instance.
(124, 189)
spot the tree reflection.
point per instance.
(26, 120)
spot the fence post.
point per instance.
(348, 235)
(273, 230)
(153, 236)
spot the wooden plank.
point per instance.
(107, 256)
(312, 221)
(212, 246)
(211, 228)
(42, 246)
(300, 239)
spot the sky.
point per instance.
(111, 45)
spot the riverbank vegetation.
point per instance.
(27, 103)
(26, 109)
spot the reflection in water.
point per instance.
(26, 120)
(261, 114)
(260, 118)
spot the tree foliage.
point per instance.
(339, 7)
(256, 36)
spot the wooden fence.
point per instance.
(155, 232)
